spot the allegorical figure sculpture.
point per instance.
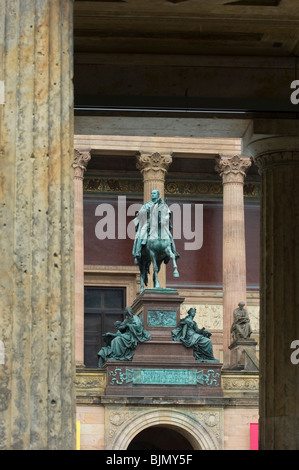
(241, 328)
(193, 337)
(153, 239)
(120, 346)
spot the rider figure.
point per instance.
(152, 221)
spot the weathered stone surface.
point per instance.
(279, 325)
(36, 219)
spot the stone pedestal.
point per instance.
(161, 366)
(239, 358)
(159, 310)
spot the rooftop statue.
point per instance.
(120, 346)
(193, 337)
(153, 240)
(241, 328)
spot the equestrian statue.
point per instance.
(154, 243)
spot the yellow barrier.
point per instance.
(77, 435)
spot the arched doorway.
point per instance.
(143, 423)
(160, 438)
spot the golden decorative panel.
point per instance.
(172, 187)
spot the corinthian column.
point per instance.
(37, 402)
(279, 309)
(153, 167)
(232, 170)
(81, 160)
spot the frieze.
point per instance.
(161, 318)
(240, 383)
(211, 316)
(90, 383)
(172, 187)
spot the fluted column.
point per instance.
(81, 159)
(37, 394)
(232, 170)
(279, 304)
(153, 167)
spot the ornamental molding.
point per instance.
(232, 169)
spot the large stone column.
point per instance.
(37, 396)
(81, 159)
(278, 161)
(153, 167)
(232, 170)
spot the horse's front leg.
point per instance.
(155, 269)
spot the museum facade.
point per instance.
(112, 179)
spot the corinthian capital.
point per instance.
(81, 159)
(232, 169)
(270, 160)
(153, 162)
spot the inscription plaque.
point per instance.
(165, 377)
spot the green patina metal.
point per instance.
(165, 377)
(161, 318)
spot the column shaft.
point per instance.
(80, 162)
(232, 171)
(36, 219)
(279, 316)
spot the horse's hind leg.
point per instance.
(172, 256)
(143, 276)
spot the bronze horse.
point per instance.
(153, 242)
